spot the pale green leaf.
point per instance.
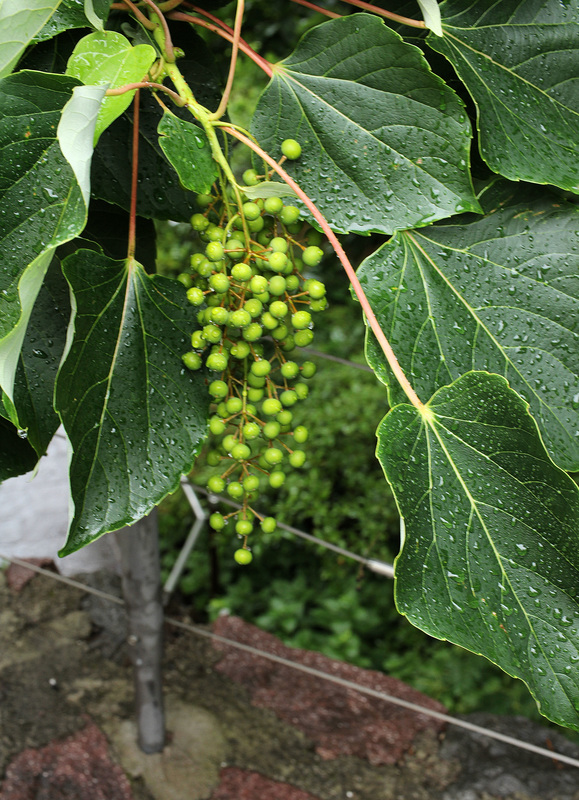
(76, 132)
(187, 148)
(109, 59)
(92, 16)
(490, 558)
(268, 189)
(20, 21)
(385, 143)
(520, 62)
(498, 293)
(135, 417)
(431, 15)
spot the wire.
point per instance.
(460, 723)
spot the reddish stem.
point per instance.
(360, 294)
(223, 31)
(234, 50)
(415, 23)
(320, 10)
(169, 52)
(129, 87)
(137, 12)
(134, 175)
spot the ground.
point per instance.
(238, 729)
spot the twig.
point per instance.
(134, 176)
(234, 49)
(129, 87)
(414, 23)
(320, 10)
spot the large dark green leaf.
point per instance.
(520, 62)
(20, 22)
(385, 142)
(17, 456)
(490, 557)
(43, 191)
(134, 415)
(500, 294)
(187, 148)
(71, 14)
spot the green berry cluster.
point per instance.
(255, 308)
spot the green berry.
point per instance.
(261, 368)
(251, 483)
(234, 405)
(216, 484)
(197, 340)
(250, 177)
(216, 426)
(252, 332)
(292, 282)
(241, 452)
(312, 256)
(290, 369)
(279, 333)
(235, 249)
(268, 524)
(219, 282)
(302, 390)
(195, 296)
(241, 272)
(235, 490)
(271, 406)
(301, 434)
(199, 222)
(319, 305)
(219, 315)
(185, 279)
(253, 306)
(279, 245)
(218, 389)
(214, 251)
(288, 344)
(240, 318)
(217, 521)
(273, 205)
(278, 309)
(251, 211)
(308, 369)
(240, 350)
(256, 225)
(212, 333)
(297, 458)
(244, 527)
(276, 478)
(251, 430)
(304, 338)
(291, 149)
(268, 321)
(284, 417)
(277, 261)
(204, 268)
(301, 319)
(289, 215)
(271, 430)
(288, 398)
(213, 458)
(192, 360)
(277, 285)
(229, 441)
(216, 362)
(315, 289)
(258, 284)
(203, 200)
(255, 395)
(243, 556)
(255, 381)
(273, 456)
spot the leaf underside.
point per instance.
(499, 294)
(134, 415)
(520, 62)
(385, 143)
(490, 555)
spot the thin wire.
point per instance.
(373, 564)
(460, 723)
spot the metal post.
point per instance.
(141, 577)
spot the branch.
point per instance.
(360, 294)
(236, 37)
(134, 180)
(415, 23)
(137, 12)
(168, 49)
(331, 14)
(129, 87)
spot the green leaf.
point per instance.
(134, 415)
(520, 62)
(499, 294)
(20, 21)
(109, 60)
(490, 553)
(40, 358)
(187, 148)
(17, 457)
(71, 14)
(268, 189)
(385, 143)
(76, 132)
(41, 200)
(431, 14)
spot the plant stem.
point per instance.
(129, 87)
(235, 47)
(414, 23)
(168, 51)
(320, 10)
(134, 175)
(224, 32)
(137, 12)
(360, 294)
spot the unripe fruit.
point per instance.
(251, 483)
(284, 417)
(312, 256)
(235, 490)
(192, 360)
(241, 452)
(256, 225)
(271, 430)
(240, 350)
(251, 211)
(288, 398)
(243, 527)
(276, 286)
(268, 524)
(297, 458)
(304, 338)
(239, 318)
(319, 305)
(261, 368)
(273, 205)
(218, 389)
(219, 282)
(204, 268)
(290, 369)
(279, 333)
(214, 251)
(277, 261)
(235, 249)
(291, 149)
(255, 395)
(203, 200)
(216, 426)
(302, 390)
(276, 479)
(243, 556)
(251, 430)
(234, 405)
(273, 456)
(216, 362)
(271, 406)
(250, 177)
(195, 296)
(301, 434)
(258, 284)
(252, 332)
(212, 333)
(216, 521)
(185, 279)
(308, 369)
(253, 306)
(219, 315)
(216, 484)
(199, 222)
(213, 458)
(278, 309)
(316, 289)
(255, 381)
(268, 321)
(279, 245)
(197, 340)
(228, 442)
(292, 282)
(289, 215)
(301, 319)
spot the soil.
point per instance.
(66, 681)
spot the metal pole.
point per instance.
(141, 578)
